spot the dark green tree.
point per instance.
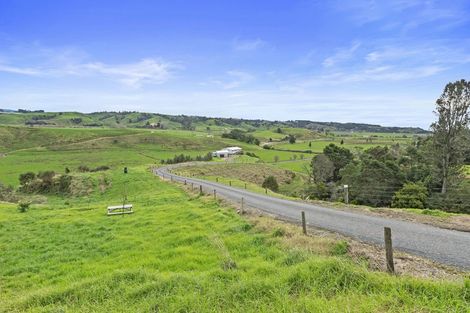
(339, 156)
(452, 109)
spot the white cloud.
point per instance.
(134, 74)
(19, 70)
(44, 62)
(248, 45)
(341, 55)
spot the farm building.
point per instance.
(226, 152)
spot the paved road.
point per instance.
(442, 245)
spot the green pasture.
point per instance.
(183, 253)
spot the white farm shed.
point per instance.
(226, 152)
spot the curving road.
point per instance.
(442, 245)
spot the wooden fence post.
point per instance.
(230, 183)
(245, 185)
(243, 205)
(192, 186)
(215, 194)
(185, 181)
(304, 224)
(200, 189)
(389, 249)
(266, 190)
(346, 194)
(217, 179)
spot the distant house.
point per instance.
(226, 152)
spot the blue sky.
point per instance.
(381, 62)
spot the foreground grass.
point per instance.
(182, 253)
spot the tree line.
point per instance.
(427, 174)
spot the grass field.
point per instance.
(183, 253)
(352, 143)
(178, 252)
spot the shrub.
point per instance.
(319, 191)
(251, 154)
(270, 182)
(100, 168)
(7, 194)
(23, 206)
(83, 169)
(411, 195)
(26, 178)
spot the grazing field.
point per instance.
(181, 252)
(178, 252)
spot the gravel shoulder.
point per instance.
(446, 246)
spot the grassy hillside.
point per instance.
(25, 149)
(199, 123)
(184, 253)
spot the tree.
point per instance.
(270, 182)
(452, 109)
(279, 130)
(322, 169)
(372, 181)
(291, 139)
(342, 141)
(339, 156)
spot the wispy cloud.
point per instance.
(58, 63)
(146, 71)
(412, 13)
(248, 45)
(20, 70)
(341, 55)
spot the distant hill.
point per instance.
(164, 121)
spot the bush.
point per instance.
(270, 182)
(23, 206)
(251, 154)
(319, 191)
(411, 195)
(455, 200)
(100, 168)
(7, 194)
(83, 169)
(26, 178)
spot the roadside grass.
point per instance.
(180, 252)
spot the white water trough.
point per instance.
(120, 209)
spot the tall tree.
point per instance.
(339, 156)
(452, 109)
